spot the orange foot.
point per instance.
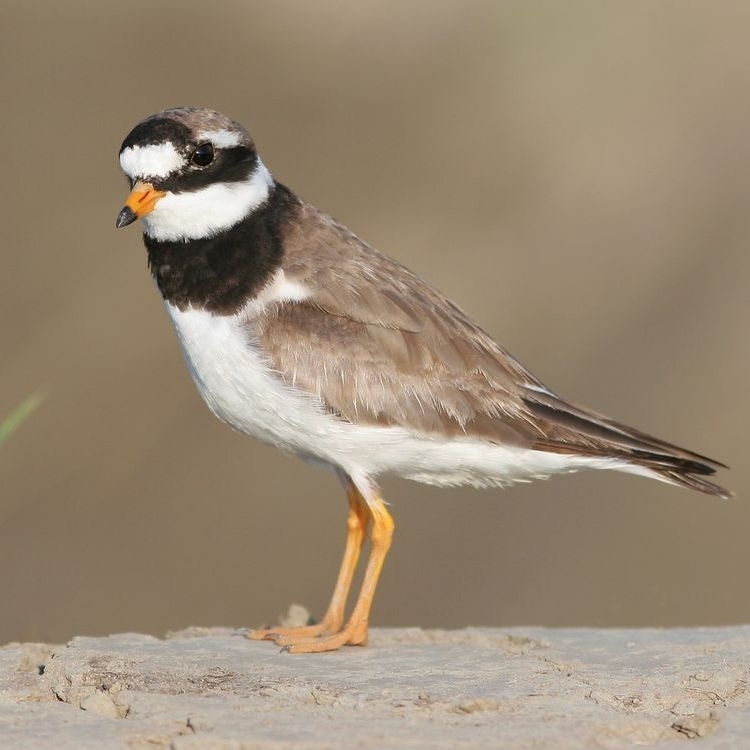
(351, 635)
(274, 634)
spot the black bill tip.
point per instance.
(125, 217)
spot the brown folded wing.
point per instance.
(379, 345)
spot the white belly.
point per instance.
(239, 386)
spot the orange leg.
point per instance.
(354, 633)
(356, 529)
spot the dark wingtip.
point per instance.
(583, 433)
(125, 217)
(675, 476)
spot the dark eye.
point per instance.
(203, 155)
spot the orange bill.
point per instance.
(141, 201)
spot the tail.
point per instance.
(575, 431)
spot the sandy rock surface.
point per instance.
(516, 688)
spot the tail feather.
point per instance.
(570, 429)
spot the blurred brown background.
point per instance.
(576, 175)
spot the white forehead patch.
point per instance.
(221, 138)
(156, 160)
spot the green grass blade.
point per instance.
(22, 412)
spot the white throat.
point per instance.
(207, 212)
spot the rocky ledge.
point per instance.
(513, 688)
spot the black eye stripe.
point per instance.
(234, 164)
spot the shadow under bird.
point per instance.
(300, 334)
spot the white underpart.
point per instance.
(220, 138)
(148, 162)
(204, 213)
(241, 389)
(278, 289)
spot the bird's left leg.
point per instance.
(356, 529)
(355, 632)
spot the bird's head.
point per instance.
(193, 174)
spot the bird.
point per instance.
(300, 334)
